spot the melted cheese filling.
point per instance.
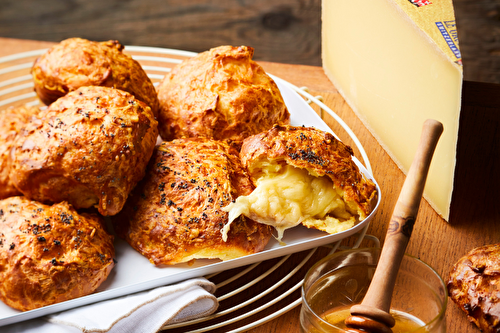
(286, 196)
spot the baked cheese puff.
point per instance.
(77, 62)
(220, 94)
(174, 214)
(50, 254)
(12, 121)
(88, 148)
(474, 284)
(302, 176)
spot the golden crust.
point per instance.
(50, 254)
(317, 151)
(89, 148)
(12, 120)
(474, 285)
(174, 214)
(221, 94)
(77, 62)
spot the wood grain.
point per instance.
(376, 305)
(474, 219)
(283, 31)
(478, 23)
(475, 213)
(280, 30)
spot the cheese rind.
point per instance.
(394, 76)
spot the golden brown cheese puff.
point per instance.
(174, 214)
(474, 285)
(303, 176)
(89, 148)
(320, 153)
(221, 94)
(50, 254)
(12, 120)
(77, 62)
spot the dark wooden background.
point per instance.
(286, 31)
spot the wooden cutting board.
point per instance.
(475, 212)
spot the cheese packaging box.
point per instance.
(398, 63)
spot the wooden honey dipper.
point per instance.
(373, 315)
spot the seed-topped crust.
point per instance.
(50, 254)
(474, 285)
(174, 214)
(77, 62)
(89, 148)
(12, 121)
(320, 153)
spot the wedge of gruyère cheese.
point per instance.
(397, 63)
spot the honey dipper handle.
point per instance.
(377, 301)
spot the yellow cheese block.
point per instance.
(397, 63)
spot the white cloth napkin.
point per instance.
(143, 312)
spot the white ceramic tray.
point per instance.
(134, 273)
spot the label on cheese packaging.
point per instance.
(398, 63)
(437, 20)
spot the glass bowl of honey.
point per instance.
(340, 280)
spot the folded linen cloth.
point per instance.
(143, 312)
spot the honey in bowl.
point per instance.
(353, 289)
(405, 322)
(339, 281)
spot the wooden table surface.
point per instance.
(475, 212)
